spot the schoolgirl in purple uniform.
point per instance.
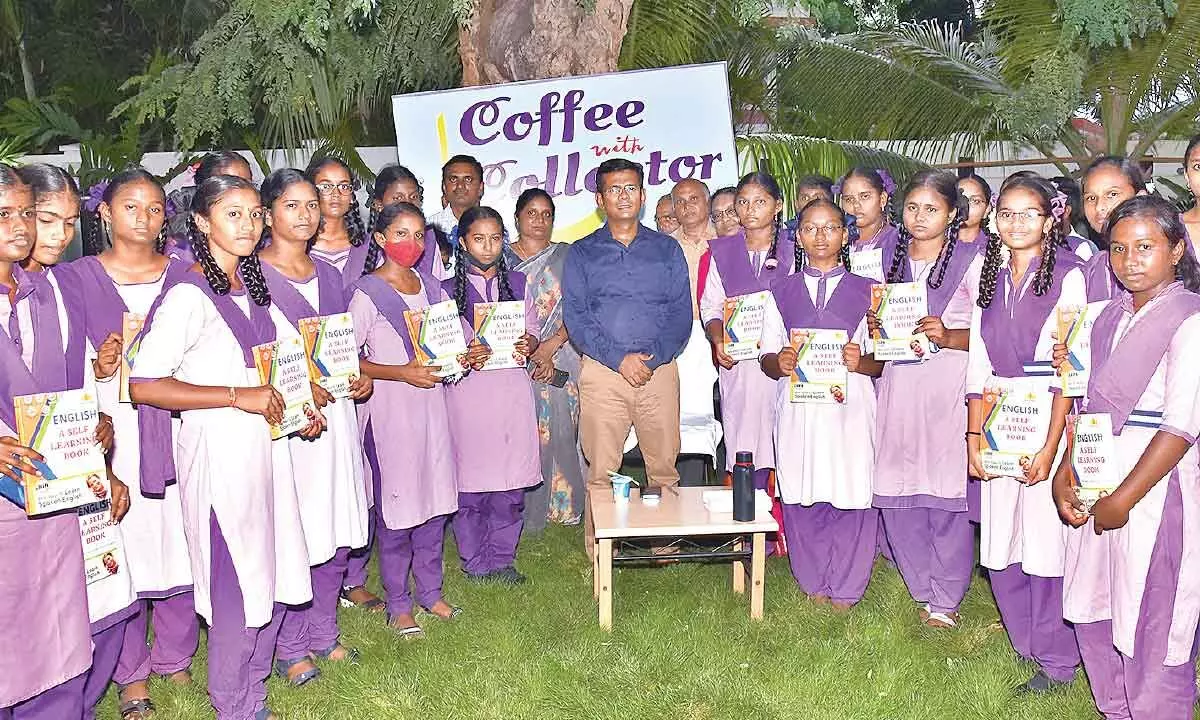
(413, 471)
(343, 243)
(1022, 541)
(1135, 599)
(328, 470)
(865, 193)
(179, 202)
(824, 453)
(1191, 172)
(397, 184)
(920, 459)
(241, 515)
(48, 644)
(1108, 181)
(492, 416)
(978, 193)
(749, 261)
(125, 270)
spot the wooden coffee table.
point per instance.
(680, 519)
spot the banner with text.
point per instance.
(553, 134)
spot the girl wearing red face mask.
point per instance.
(329, 469)
(405, 422)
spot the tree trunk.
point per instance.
(26, 69)
(507, 40)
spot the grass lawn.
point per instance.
(683, 647)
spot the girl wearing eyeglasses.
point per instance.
(743, 263)
(342, 238)
(824, 452)
(1022, 540)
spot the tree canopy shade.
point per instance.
(297, 69)
(1033, 69)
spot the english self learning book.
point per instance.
(744, 317)
(62, 428)
(820, 375)
(499, 326)
(437, 336)
(1016, 421)
(899, 308)
(331, 351)
(284, 366)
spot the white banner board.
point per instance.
(553, 134)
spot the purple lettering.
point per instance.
(510, 126)
(595, 115)
(678, 162)
(486, 113)
(629, 110)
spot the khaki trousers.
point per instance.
(609, 406)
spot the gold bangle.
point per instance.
(232, 396)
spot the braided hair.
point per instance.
(469, 218)
(767, 182)
(207, 195)
(1164, 214)
(355, 228)
(97, 239)
(382, 220)
(844, 253)
(273, 188)
(1043, 277)
(945, 184)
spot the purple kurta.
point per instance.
(1013, 339)
(492, 417)
(411, 425)
(747, 394)
(920, 456)
(1143, 376)
(44, 622)
(886, 237)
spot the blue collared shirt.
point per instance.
(619, 300)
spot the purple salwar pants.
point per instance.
(64, 700)
(1032, 610)
(176, 638)
(417, 550)
(1141, 687)
(487, 529)
(239, 658)
(313, 627)
(356, 567)
(935, 552)
(106, 651)
(359, 558)
(831, 551)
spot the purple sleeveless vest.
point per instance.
(516, 281)
(284, 295)
(391, 304)
(939, 297)
(843, 310)
(1120, 375)
(733, 263)
(1011, 332)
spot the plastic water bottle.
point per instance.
(743, 487)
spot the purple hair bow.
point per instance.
(889, 185)
(1058, 205)
(95, 196)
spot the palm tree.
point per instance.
(12, 35)
(923, 87)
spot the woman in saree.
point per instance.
(554, 367)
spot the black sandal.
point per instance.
(139, 709)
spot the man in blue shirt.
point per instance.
(628, 308)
